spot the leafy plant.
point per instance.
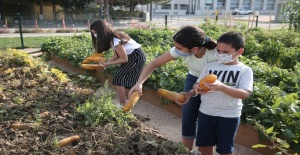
(276, 142)
(102, 110)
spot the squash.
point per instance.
(97, 55)
(68, 140)
(24, 126)
(210, 78)
(93, 60)
(171, 95)
(134, 97)
(92, 66)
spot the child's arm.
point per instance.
(113, 58)
(120, 58)
(245, 85)
(231, 91)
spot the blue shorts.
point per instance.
(190, 110)
(219, 131)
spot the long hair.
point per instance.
(105, 35)
(191, 36)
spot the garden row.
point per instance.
(273, 107)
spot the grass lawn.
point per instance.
(29, 42)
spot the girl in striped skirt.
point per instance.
(127, 52)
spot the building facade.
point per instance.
(203, 7)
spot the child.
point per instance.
(196, 49)
(220, 110)
(127, 52)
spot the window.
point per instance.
(270, 4)
(258, 4)
(166, 7)
(209, 4)
(234, 4)
(221, 4)
(183, 7)
(175, 6)
(246, 4)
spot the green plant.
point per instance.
(276, 142)
(102, 110)
(30, 31)
(10, 21)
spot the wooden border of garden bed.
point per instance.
(247, 135)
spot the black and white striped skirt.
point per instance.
(128, 73)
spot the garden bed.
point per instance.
(246, 136)
(59, 106)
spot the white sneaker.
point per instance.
(119, 106)
(193, 152)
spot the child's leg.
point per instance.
(207, 150)
(121, 94)
(190, 114)
(206, 134)
(226, 131)
(127, 93)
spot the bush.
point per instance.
(30, 31)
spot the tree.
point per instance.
(133, 3)
(41, 3)
(293, 14)
(1, 8)
(73, 6)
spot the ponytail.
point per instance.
(209, 43)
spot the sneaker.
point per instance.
(119, 106)
(193, 152)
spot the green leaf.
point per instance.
(259, 146)
(270, 130)
(81, 77)
(288, 134)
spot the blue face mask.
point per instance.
(182, 54)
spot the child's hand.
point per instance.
(138, 87)
(101, 63)
(199, 90)
(187, 97)
(216, 86)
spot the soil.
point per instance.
(46, 104)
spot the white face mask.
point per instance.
(182, 54)
(224, 58)
(95, 35)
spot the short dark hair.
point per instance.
(192, 36)
(233, 38)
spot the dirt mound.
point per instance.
(33, 92)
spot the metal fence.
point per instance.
(29, 28)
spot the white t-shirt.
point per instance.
(195, 64)
(218, 103)
(130, 45)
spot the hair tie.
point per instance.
(207, 39)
